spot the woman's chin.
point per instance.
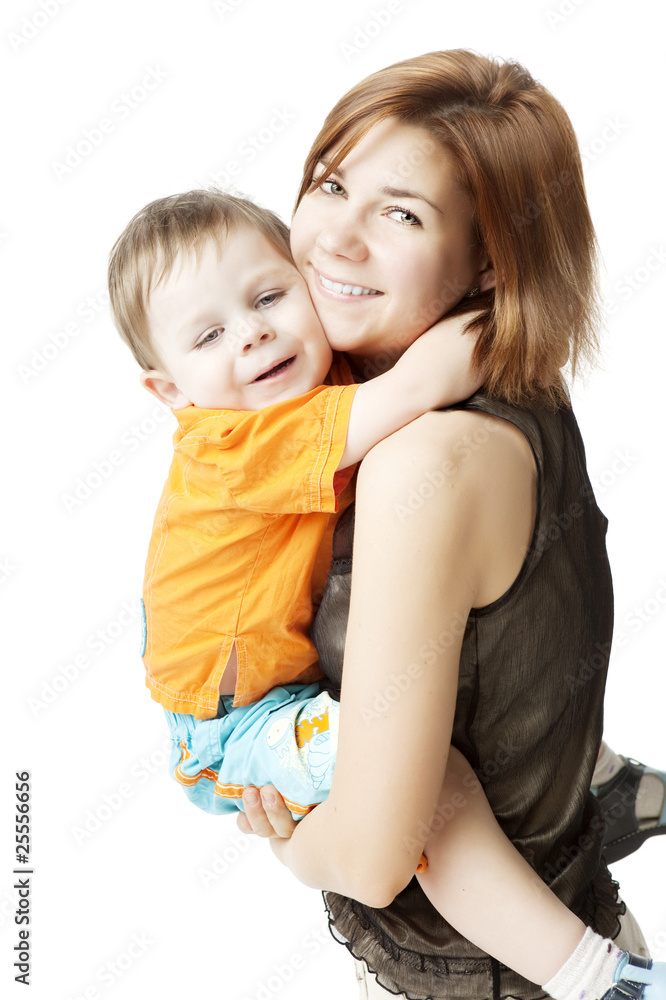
(348, 341)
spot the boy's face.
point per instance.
(235, 329)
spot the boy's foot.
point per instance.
(633, 803)
(637, 978)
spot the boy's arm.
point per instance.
(434, 371)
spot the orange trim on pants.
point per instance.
(225, 791)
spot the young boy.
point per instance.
(204, 291)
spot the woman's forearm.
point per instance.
(307, 854)
(323, 855)
(365, 841)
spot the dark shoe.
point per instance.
(637, 978)
(617, 798)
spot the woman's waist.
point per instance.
(413, 950)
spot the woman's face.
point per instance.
(386, 243)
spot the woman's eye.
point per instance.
(332, 187)
(269, 299)
(211, 336)
(405, 216)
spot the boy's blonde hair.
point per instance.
(144, 253)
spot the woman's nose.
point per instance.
(343, 237)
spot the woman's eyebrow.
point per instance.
(401, 193)
(388, 192)
(327, 164)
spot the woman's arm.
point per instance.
(422, 558)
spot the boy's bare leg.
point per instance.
(485, 889)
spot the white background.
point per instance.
(119, 855)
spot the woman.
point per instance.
(481, 612)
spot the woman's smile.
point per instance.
(380, 272)
(343, 290)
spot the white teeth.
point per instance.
(336, 286)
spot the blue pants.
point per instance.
(288, 739)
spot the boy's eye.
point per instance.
(211, 336)
(269, 299)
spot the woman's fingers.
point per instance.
(243, 823)
(265, 813)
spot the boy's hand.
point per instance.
(436, 369)
(265, 814)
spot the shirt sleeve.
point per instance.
(284, 458)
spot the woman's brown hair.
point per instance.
(518, 158)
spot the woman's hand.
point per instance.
(265, 814)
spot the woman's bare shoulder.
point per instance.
(459, 482)
(465, 446)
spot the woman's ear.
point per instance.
(164, 389)
(485, 279)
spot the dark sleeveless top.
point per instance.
(528, 719)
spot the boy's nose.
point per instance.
(255, 333)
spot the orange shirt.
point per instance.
(235, 540)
